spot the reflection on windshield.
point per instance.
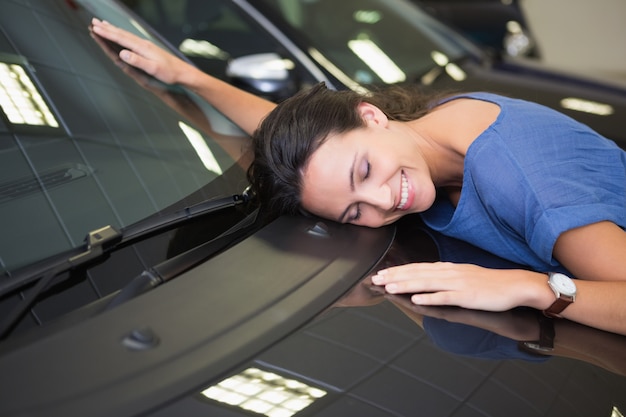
(373, 41)
(20, 100)
(377, 60)
(88, 144)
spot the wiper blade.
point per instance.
(99, 244)
(98, 241)
(155, 225)
(130, 235)
(171, 268)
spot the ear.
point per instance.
(372, 114)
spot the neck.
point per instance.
(443, 156)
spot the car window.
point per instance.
(209, 33)
(371, 41)
(213, 33)
(83, 145)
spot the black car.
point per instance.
(499, 26)
(139, 278)
(274, 48)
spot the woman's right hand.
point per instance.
(143, 54)
(245, 109)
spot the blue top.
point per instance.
(530, 176)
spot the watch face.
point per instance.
(563, 284)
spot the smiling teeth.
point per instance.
(405, 192)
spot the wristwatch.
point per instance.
(565, 291)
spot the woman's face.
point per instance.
(370, 176)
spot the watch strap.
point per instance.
(558, 306)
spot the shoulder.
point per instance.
(462, 120)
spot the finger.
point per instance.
(138, 61)
(117, 35)
(419, 277)
(420, 285)
(440, 298)
(407, 271)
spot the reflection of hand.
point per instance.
(463, 285)
(179, 102)
(143, 54)
(140, 77)
(515, 324)
(361, 295)
(572, 340)
(106, 35)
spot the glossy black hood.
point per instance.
(378, 355)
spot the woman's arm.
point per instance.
(243, 108)
(596, 255)
(597, 252)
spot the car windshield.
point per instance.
(84, 145)
(371, 41)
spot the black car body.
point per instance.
(114, 184)
(311, 41)
(180, 286)
(499, 26)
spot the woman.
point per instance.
(512, 177)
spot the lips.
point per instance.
(406, 195)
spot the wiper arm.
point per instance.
(99, 244)
(98, 241)
(171, 268)
(156, 225)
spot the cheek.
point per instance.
(372, 218)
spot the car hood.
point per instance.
(378, 355)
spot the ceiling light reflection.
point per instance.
(587, 106)
(453, 70)
(264, 393)
(440, 58)
(367, 16)
(335, 71)
(377, 60)
(202, 48)
(202, 149)
(20, 100)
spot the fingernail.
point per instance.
(377, 279)
(124, 55)
(391, 288)
(416, 299)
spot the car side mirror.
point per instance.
(267, 75)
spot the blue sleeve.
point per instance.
(544, 191)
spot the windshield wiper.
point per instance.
(99, 244)
(171, 268)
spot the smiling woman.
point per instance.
(494, 171)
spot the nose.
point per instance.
(379, 196)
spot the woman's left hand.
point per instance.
(465, 285)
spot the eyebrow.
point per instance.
(351, 179)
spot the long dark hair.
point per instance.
(297, 127)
